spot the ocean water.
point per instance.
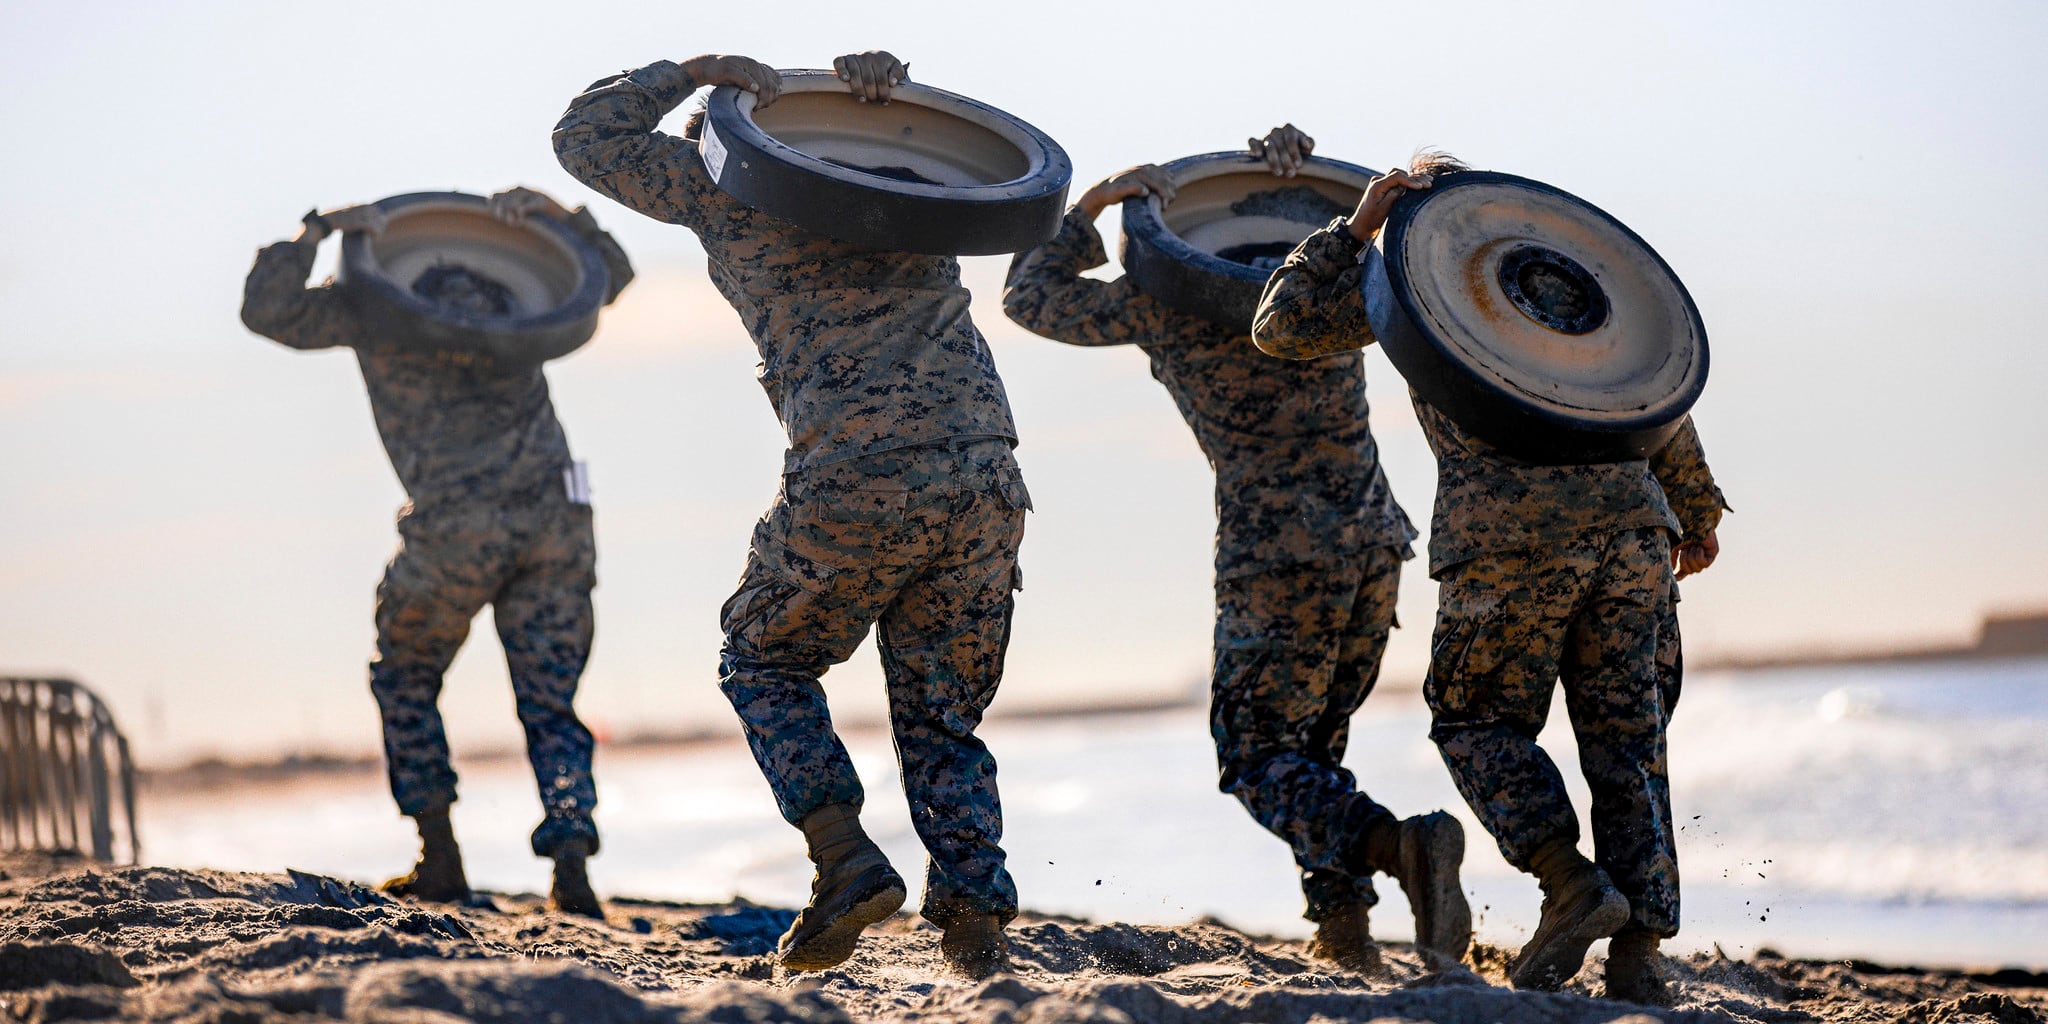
(1895, 812)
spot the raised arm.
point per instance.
(1312, 306)
(517, 203)
(607, 137)
(1046, 294)
(275, 300)
(1681, 469)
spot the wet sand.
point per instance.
(86, 942)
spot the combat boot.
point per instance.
(1580, 905)
(571, 892)
(1632, 969)
(438, 876)
(854, 887)
(974, 945)
(1344, 937)
(1426, 858)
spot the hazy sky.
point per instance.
(195, 518)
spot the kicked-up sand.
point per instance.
(87, 942)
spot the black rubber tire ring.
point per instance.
(1527, 430)
(1185, 278)
(882, 214)
(391, 310)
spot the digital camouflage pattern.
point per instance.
(1298, 475)
(534, 562)
(459, 427)
(1297, 652)
(1547, 572)
(901, 503)
(1509, 626)
(861, 351)
(1486, 501)
(922, 541)
(1309, 542)
(478, 449)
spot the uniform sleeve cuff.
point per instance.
(1341, 238)
(1332, 247)
(1077, 232)
(666, 80)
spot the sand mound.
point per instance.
(159, 944)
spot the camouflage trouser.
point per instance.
(534, 564)
(1297, 651)
(1590, 612)
(923, 541)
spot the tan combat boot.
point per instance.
(571, 892)
(974, 945)
(438, 876)
(1344, 937)
(854, 887)
(1580, 905)
(1426, 860)
(1632, 969)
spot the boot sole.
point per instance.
(1443, 918)
(834, 943)
(1548, 961)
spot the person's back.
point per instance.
(1309, 546)
(901, 510)
(495, 516)
(861, 351)
(1547, 573)
(1488, 501)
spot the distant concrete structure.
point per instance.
(2013, 635)
(2002, 635)
(66, 780)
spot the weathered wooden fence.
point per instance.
(66, 782)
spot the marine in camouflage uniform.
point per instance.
(1309, 541)
(901, 505)
(1547, 572)
(482, 458)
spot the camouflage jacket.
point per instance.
(1486, 501)
(458, 427)
(1297, 473)
(861, 351)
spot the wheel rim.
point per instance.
(1546, 300)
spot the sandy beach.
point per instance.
(86, 942)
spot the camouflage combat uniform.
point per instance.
(481, 456)
(901, 503)
(1547, 572)
(1309, 545)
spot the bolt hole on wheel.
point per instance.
(1534, 320)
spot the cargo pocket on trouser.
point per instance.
(1010, 487)
(1240, 686)
(773, 616)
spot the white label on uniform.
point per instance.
(713, 151)
(576, 481)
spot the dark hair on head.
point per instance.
(1431, 160)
